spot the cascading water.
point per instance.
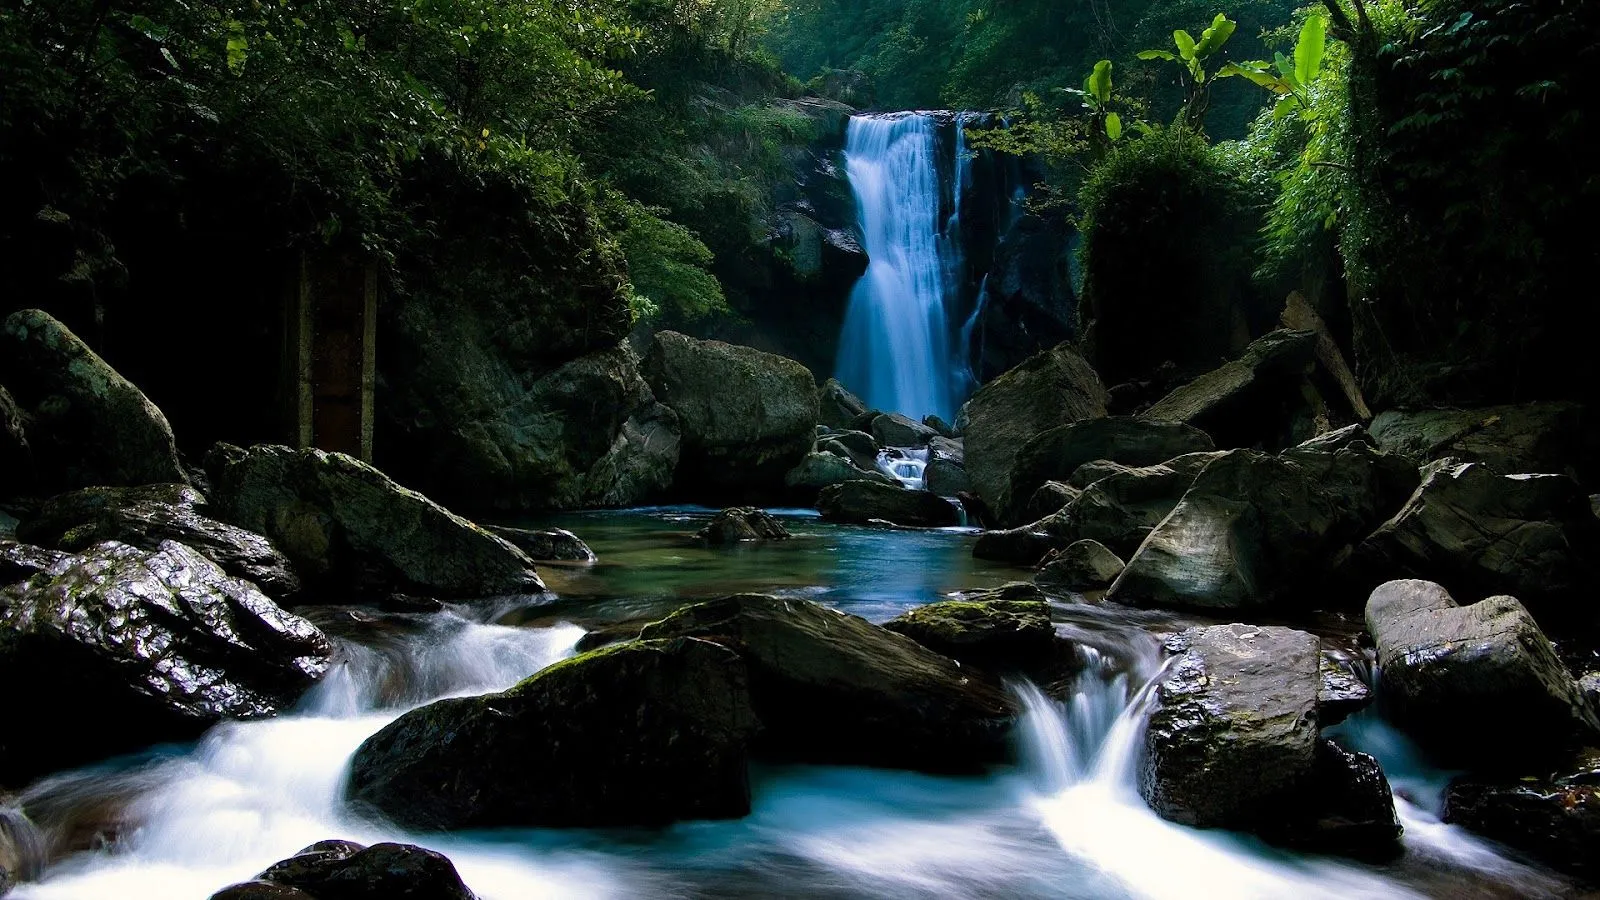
(895, 349)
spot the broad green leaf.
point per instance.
(1308, 52)
(1285, 106)
(1100, 81)
(1257, 75)
(1113, 126)
(1167, 55)
(238, 46)
(1212, 39)
(1185, 43)
(1285, 67)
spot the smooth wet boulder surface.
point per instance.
(1251, 400)
(747, 417)
(1478, 532)
(349, 528)
(1122, 507)
(1082, 566)
(1342, 694)
(895, 430)
(1532, 437)
(545, 545)
(836, 406)
(821, 470)
(833, 688)
(146, 516)
(862, 502)
(1255, 530)
(640, 733)
(19, 562)
(1555, 818)
(142, 647)
(1005, 629)
(743, 523)
(1054, 388)
(1056, 454)
(344, 870)
(1477, 684)
(945, 478)
(87, 425)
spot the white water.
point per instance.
(895, 350)
(905, 464)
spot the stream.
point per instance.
(1064, 821)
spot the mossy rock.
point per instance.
(996, 633)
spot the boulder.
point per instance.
(837, 407)
(1051, 389)
(17, 476)
(992, 633)
(945, 478)
(1342, 694)
(1248, 401)
(1232, 742)
(820, 470)
(747, 417)
(1532, 437)
(1054, 455)
(940, 426)
(1338, 439)
(545, 545)
(743, 523)
(87, 425)
(948, 449)
(1477, 532)
(1082, 566)
(19, 562)
(862, 502)
(895, 430)
(1025, 546)
(1255, 530)
(349, 528)
(857, 446)
(1051, 497)
(143, 647)
(342, 870)
(1479, 684)
(148, 515)
(1554, 818)
(832, 688)
(640, 733)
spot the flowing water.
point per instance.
(895, 350)
(1065, 821)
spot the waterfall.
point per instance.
(895, 349)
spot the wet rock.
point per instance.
(1533, 437)
(146, 516)
(820, 470)
(832, 688)
(1477, 532)
(946, 479)
(1255, 530)
(641, 733)
(941, 427)
(895, 430)
(1338, 439)
(1090, 472)
(1025, 546)
(949, 449)
(861, 502)
(87, 425)
(1082, 566)
(1232, 742)
(19, 562)
(349, 528)
(1011, 634)
(743, 523)
(1051, 389)
(837, 407)
(1554, 818)
(22, 848)
(145, 647)
(1057, 453)
(857, 446)
(747, 416)
(545, 545)
(1342, 694)
(17, 476)
(1477, 684)
(1051, 498)
(1248, 401)
(343, 870)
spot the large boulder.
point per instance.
(945, 478)
(1255, 530)
(19, 562)
(1555, 818)
(344, 870)
(836, 407)
(1251, 400)
(482, 434)
(1082, 566)
(641, 733)
(348, 527)
(140, 647)
(147, 516)
(861, 502)
(1051, 389)
(546, 544)
(747, 417)
(87, 425)
(1533, 437)
(820, 470)
(1476, 532)
(994, 633)
(1477, 684)
(833, 688)
(895, 430)
(742, 523)
(1232, 742)
(1056, 454)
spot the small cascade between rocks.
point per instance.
(906, 465)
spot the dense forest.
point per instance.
(805, 448)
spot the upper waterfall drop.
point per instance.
(896, 349)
